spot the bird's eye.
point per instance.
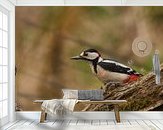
(85, 54)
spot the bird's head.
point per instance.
(88, 55)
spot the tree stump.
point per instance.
(141, 95)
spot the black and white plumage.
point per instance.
(107, 70)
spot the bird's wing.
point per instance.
(114, 66)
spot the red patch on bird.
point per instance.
(132, 78)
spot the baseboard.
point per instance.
(35, 115)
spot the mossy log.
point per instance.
(141, 95)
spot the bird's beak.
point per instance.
(77, 58)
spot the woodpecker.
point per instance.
(107, 70)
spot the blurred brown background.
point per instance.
(46, 38)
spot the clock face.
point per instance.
(141, 47)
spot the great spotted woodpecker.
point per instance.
(107, 70)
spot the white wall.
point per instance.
(12, 1)
(40, 2)
(88, 2)
(12, 65)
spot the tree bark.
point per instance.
(142, 95)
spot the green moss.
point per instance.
(137, 104)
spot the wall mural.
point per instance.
(114, 49)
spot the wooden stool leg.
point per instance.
(116, 111)
(43, 116)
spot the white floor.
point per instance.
(158, 124)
